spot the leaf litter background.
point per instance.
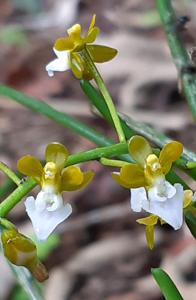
(102, 252)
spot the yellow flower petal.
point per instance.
(56, 153)
(75, 32)
(92, 35)
(92, 24)
(150, 220)
(170, 152)
(101, 54)
(62, 44)
(188, 196)
(139, 148)
(150, 236)
(133, 175)
(30, 166)
(73, 178)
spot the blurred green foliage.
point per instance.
(13, 35)
(28, 6)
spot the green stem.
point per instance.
(15, 197)
(179, 53)
(97, 153)
(98, 101)
(104, 91)
(112, 162)
(6, 170)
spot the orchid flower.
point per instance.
(149, 188)
(67, 50)
(48, 209)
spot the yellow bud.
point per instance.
(21, 251)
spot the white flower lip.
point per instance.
(60, 64)
(170, 210)
(46, 212)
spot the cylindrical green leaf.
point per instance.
(166, 285)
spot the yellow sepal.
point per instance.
(170, 152)
(64, 44)
(30, 166)
(56, 153)
(92, 23)
(188, 196)
(92, 35)
(75, 32)
(150, 222)
(21, 251)
(150, 236)
(73, 178)
(139, 149)
(133, 175)
(100, 54)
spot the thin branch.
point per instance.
(186, 69)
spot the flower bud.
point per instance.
(21, 251)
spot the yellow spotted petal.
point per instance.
(170, 152)
(100, 54)
(151, 220)
(92, 24)
(188, 196)
(75, 32)
(62, 44)
(133, 175)
(139, 149)
(73, 178)
(92, 35)
(30, 166)
(56, 153)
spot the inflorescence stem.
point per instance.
(104, 91)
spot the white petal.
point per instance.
(171, 210)
(170, 189)
(60, 64)
(62, 54)
(45, 222)
(153, 195)
(47, 199)
(137, 197)
(40, 201)
(57, 202)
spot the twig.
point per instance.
(186, 69)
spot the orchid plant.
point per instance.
(155, 189)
